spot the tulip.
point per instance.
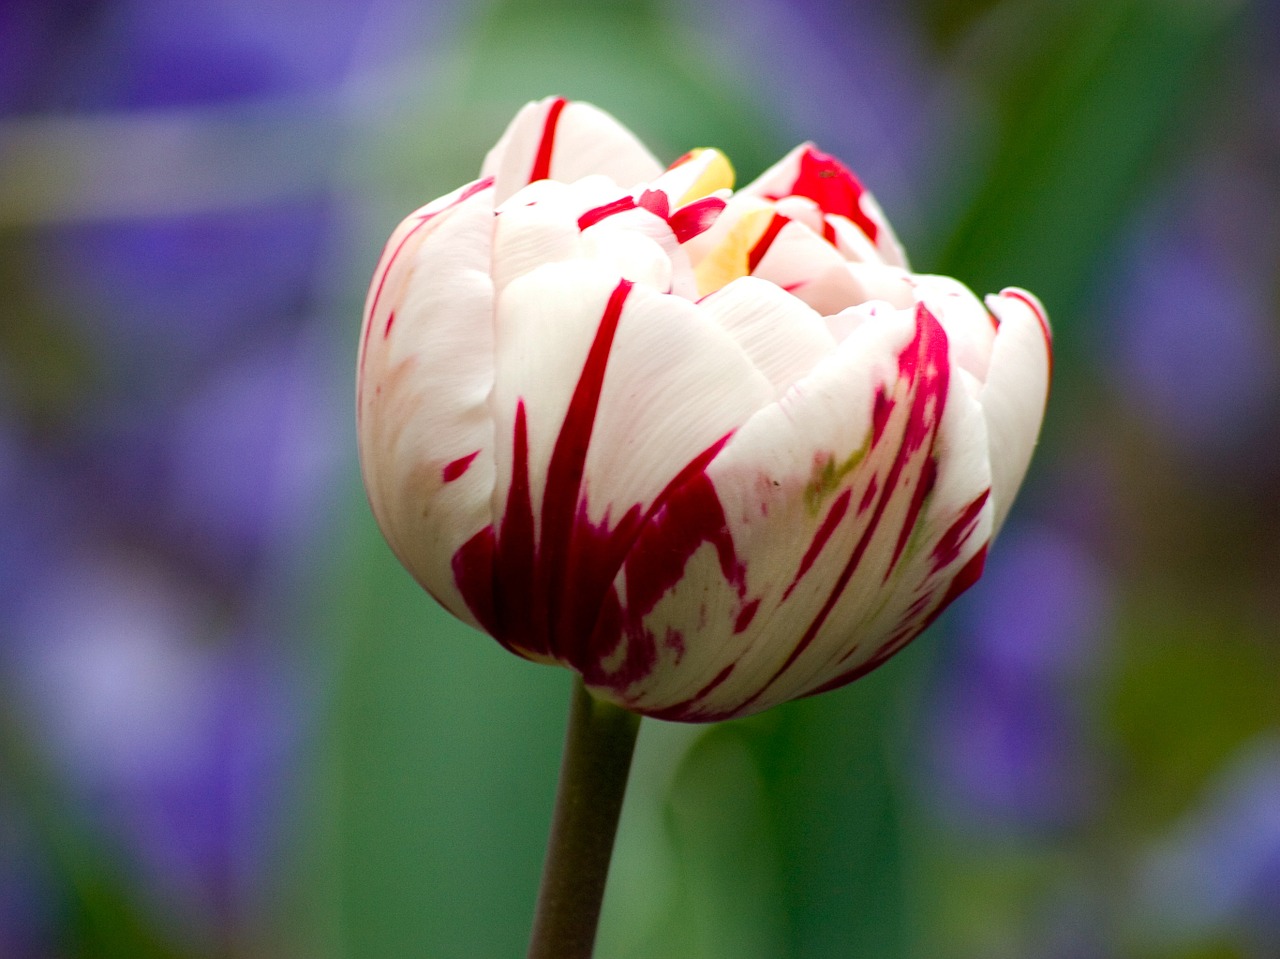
(711, 450)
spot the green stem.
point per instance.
(593, 779)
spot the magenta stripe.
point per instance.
(518, 605)
(762, 245)
(952, 541)
(966, 577)
(542, 161)
(596, 214)
(569, 456)
(687, 711)
(695, 218)
(458, 467)
(829, 524)
(912, 362)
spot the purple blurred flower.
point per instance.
(1216, 873)
(1004, 737)
(33, 34)
(1194, 345)
(159, 298)
(253, 454)
(141, 541)
(225, 477)
(32, 520)
(148, 54)
(171, 735)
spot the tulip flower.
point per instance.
(712, 450)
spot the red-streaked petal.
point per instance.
(606, 391)
(755, 495)
(963, 316)
(566, 140)
(848, 520)
(695, 218)
(808, 172)
(425, 431)
(802, 263)
(1016, 391)
(591, 220)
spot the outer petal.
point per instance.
(808, 172)
(562, 140)
(606, 391)
(834, 502)
(592, 219)
(426, 370)
(971, 330)
(1016, 391)
(783, 337)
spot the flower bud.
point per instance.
(713, 450)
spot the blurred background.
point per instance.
(230, 725)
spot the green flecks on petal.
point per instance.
(828, 475)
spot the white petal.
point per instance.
(887, 243)
(1016, 391)
(782, 336)
(592, 219)
(526, 237)
(631, 254)
(779, 180)
(426, 370)
(564, 140)
(806, 265)
(971, 330)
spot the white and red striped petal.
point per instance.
(606, 391)
(713, 451)
(557, 139)
(828, 517)
(845, 203)
(425, 372)
(1016, 391)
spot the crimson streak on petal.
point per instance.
(829, 524)
(968, 574)
(593, 216)
(924, 371)
(832, 185)
(542, 160)
(686, 515)
(695, 218)
(563, 506)
(761, 247)
(554, 596)
(686, 222)
(455, 469)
